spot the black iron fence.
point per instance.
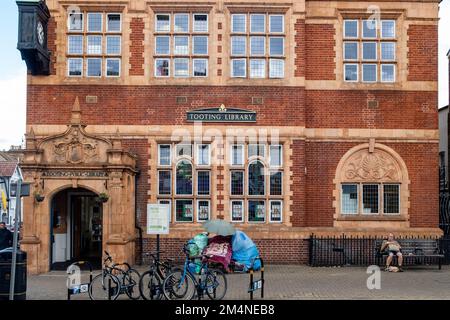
(444, 212)
(444, 245)
(359, 251)
(443, 180)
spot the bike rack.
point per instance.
(82, 287)
(258, 284)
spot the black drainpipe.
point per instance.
(136, 224)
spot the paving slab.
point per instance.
(297, 282)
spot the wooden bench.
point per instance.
(415, 251)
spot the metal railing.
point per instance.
(443, 180)
(357, 251)
(444, 212)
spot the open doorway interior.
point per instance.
(76, 227)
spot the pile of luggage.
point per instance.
(235, 253)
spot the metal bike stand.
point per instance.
(258, 284)
(109, 288)
(82, 287)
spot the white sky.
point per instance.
(13, 79)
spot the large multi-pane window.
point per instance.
(94, 44)
(181, 45)
(184, 180)
(256, 183)
(369, 50)
(257, 45)
(370, 198)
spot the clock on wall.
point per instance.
(32, 42)
(40, 33)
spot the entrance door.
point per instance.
(87, 228)
(76, 228)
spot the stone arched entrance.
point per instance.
(77, 160)
(76, 227)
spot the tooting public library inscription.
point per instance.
(221, 114)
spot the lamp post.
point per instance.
(16, 239)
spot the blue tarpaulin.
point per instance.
(245, 251)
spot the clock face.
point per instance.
(40, 33)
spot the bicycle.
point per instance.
(114, 281)
(150, 282)
(211, 281)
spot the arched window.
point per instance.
(256, 179)
(371, 181)
(184, 178)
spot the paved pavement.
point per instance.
(299, 282)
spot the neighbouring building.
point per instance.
(317, 117)
(9, 173)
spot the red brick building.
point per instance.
(318, 117)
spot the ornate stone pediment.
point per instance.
(75, 146)
(375, 166)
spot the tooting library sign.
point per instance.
(221, 114)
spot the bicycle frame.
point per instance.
(108, 269)
(157, 264)
(199, 285)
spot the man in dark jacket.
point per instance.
(5, 237)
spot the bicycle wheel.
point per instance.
(131, 282)
(150, 286)
(175, 287)
(216, 284)
(104, 287)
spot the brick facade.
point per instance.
(350, 109)
(422, 52)
(295, 251)
(137, 47)
(319, 51)
(318, 115)
(300, 57)
(153, 105)
(423, 171)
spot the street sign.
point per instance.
(24, 191)
(257, 285)
(4, 200)
(157, 219)
(82, 288)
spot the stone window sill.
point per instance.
(371, 218)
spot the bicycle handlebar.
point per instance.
(108, 257)
(153, 254)
(202, 256)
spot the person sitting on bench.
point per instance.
(393, 248)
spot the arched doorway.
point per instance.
(67, 170)
(76, 217)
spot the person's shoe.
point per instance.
(400, 269)
(386, 269)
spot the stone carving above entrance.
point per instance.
(75, 148)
